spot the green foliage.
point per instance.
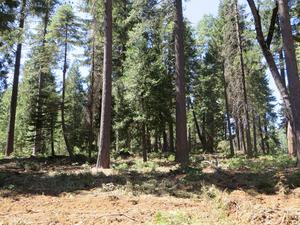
(75, 98)
(262, 163)
(172, 218)
(141, 166)
(64, 27)
(121, 166)
(224, 147)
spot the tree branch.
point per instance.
(270, 59)
(272, 26)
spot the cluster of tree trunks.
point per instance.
(290, 95)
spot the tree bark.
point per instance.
(171, 136)
(91, 106)
(245, 97)
(165, 141)
(52, 136)
(144, 142)
(254, 132)
(14, 95)
(237, 130)
(292, 148)
(263, 148)
(182, 154)
(242, 138)
(199, 130)
(270, 60)
(292, 70)
(105, 123)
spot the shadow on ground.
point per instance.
(54, 176)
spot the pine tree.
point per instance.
(64, 31)
(182, 152)
(74, 103)
(105, 122)
(14, 95)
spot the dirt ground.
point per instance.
(43, 191)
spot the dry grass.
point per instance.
(60, 191)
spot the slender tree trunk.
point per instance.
(237, 130)
(246, 108)
(156, 142)
(91, 110)
(148, 140)
(254, 132)
(242, 137)
(171, 136)
(227, 115)
(182, 154)
(105, 123)
(144, 142)
(15, 87)
(292, 70)
(165, 141)
(263, 148)
(52, 137)
(289, 100)
(200, 132)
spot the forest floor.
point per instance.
(265, 190)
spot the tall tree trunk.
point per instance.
(91, 108)
(254, 132)
(63, 122)
(292, 148)
(171, 136)
(266, 134)
(52, 136)
(182, 154)
(237, 130)
(263, 148)
(105, 123)
(144, 142)
(200, 132)
(148, 140)
(165, 141)
(290, 100)
(292, 69)
(242, 138)
(228, 115)
(14, 95)
(245, 97)
(156, 142)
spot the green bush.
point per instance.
(224, 146)
(121, 166)
(149, 166)
(172, 218)
(261, 163)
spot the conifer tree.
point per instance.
(64, 31)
